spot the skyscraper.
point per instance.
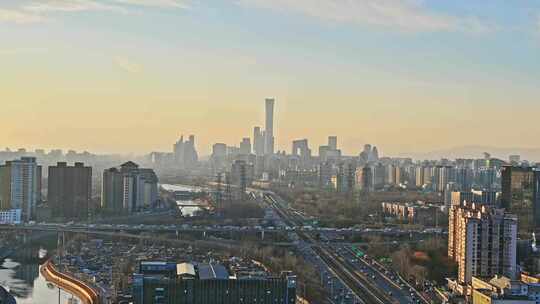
(324, 174)
(300, 147)
(185, 153)
(258, 141)
(364, 178)
(519, 195)
(374, 154)
(269, 131)
(69, 190)
(245, 146)
(20, 186)
(242, 176)
(332, 142)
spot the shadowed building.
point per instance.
(128, 189)
(70, 190)
(269, 131)
(520, 194)
(187, 283)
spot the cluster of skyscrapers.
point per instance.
(183, 156)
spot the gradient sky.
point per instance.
(132, 75)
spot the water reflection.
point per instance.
(186, 205)
(20, 274)
(187, 208)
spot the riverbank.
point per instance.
(84, 292)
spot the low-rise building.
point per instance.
(194, 283)
(413, 213)
(11, 216)
(502, 289)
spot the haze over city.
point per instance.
(444, 73)
(269, 152)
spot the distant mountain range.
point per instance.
(530, 154)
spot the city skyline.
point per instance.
(444, 74)
(269, 151)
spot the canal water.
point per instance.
(20, 275)
(186, 206)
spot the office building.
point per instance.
(323, 151)
(325, 174)
(374, 156)
(245, 146)
(219, 156)
(301, 148)
(379, 176)
(517, 186)
(20, 186)
(520, 194)
(258, 141)
(332, 142)
(128, 189)
(185, 153)
(482, 241)
(487, 178)
(219, 150)
(345, 177)
(269, 131)
(364, 178)
(369, 154)
(242, 174)
(70, 190)
(210, 283)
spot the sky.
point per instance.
(131, 76)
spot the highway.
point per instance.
(368, 282)
(349, 279)
(383, 278)
(291, 225)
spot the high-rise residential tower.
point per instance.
(269, 131)
(482, 241)
(20, 186)
(69, 190)
(128, 189)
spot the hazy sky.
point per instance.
(132, 75)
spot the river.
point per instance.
(20, 274)
(186, 206)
